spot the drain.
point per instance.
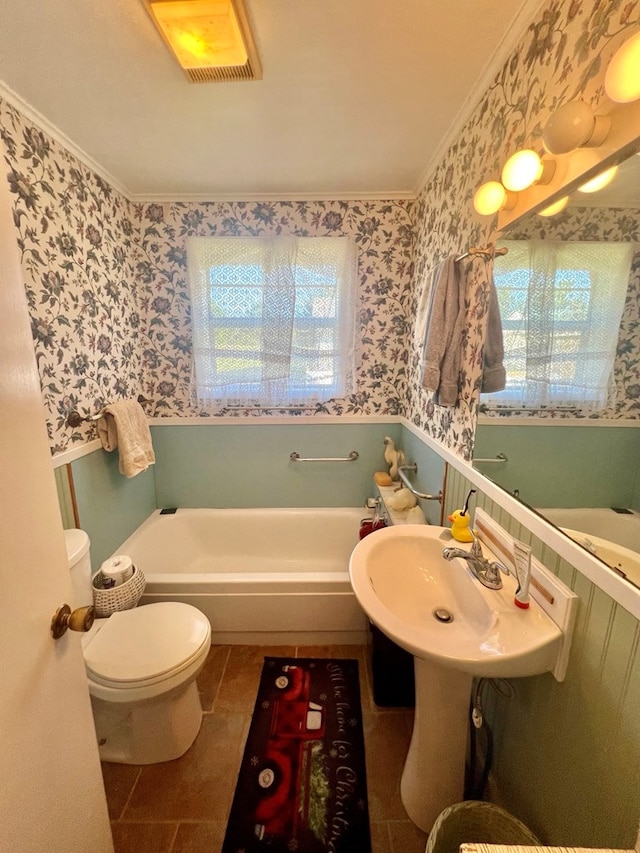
(442, 615)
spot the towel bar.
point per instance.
(295, 457)
(74, 419)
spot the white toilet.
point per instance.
(141, 666)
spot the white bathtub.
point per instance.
(612, 536)
(259, 575)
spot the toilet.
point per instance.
(141, 667)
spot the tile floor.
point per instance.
(182, 806)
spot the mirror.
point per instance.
(574, 474)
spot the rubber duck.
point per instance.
(460, 520)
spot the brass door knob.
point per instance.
(80, 619)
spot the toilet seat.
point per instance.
(146, 645)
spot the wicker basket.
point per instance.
(476, 821)
(125, 596)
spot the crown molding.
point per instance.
(528, 12)
(31, 114)
(167, 198)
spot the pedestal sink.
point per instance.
(456, 629)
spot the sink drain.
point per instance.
(442, 615)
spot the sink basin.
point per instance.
(456, 629)
(406, 587)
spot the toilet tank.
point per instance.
(77, 543)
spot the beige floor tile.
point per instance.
(198, 786)
(239, 686)
(406, 838)
(200, 837)
(386, 743)
(119, 780)
(139, 837)
(182, 806)
(211, 675)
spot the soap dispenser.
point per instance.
(460, 520)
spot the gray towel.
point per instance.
(444, 328)
(494, 376)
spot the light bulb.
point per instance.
(556, 207)
(525, 168)
(599, 181)
(622, 79)
(573, 126)
(489, 198)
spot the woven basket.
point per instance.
(476, 821)
(125, 596)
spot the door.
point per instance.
(51, 793)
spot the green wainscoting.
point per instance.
(248, 465)
(429, 478)
(563, 465)
(110, 506)
(237, 465)
(567, 755)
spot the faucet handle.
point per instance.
(476, 547)
(498, 566)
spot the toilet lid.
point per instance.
(147, 642)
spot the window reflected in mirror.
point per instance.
(573, 392)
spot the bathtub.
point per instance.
(260, 575)
(612, 536)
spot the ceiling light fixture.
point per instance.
(622, 79)
(210, 38)
(491, 197)
(599, 181)
(573, 125)
(525, 168)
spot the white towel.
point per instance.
(124, 425)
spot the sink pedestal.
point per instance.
(433, 776)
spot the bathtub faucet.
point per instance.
(486, 571)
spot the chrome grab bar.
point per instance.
(295, 457)
(500, 457)
(421, 495)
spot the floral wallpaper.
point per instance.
(77, 240)
(561, 57)
(105, 278)
(384, 237)
(611, 225)
(107, 290)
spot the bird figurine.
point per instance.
(393, 456)
(460, 520)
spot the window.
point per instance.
(273, 319)
(561, 304)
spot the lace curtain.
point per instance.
(561, 305)
(273, 319)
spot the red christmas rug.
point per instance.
(302, 785)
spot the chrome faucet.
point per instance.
(486, 571)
